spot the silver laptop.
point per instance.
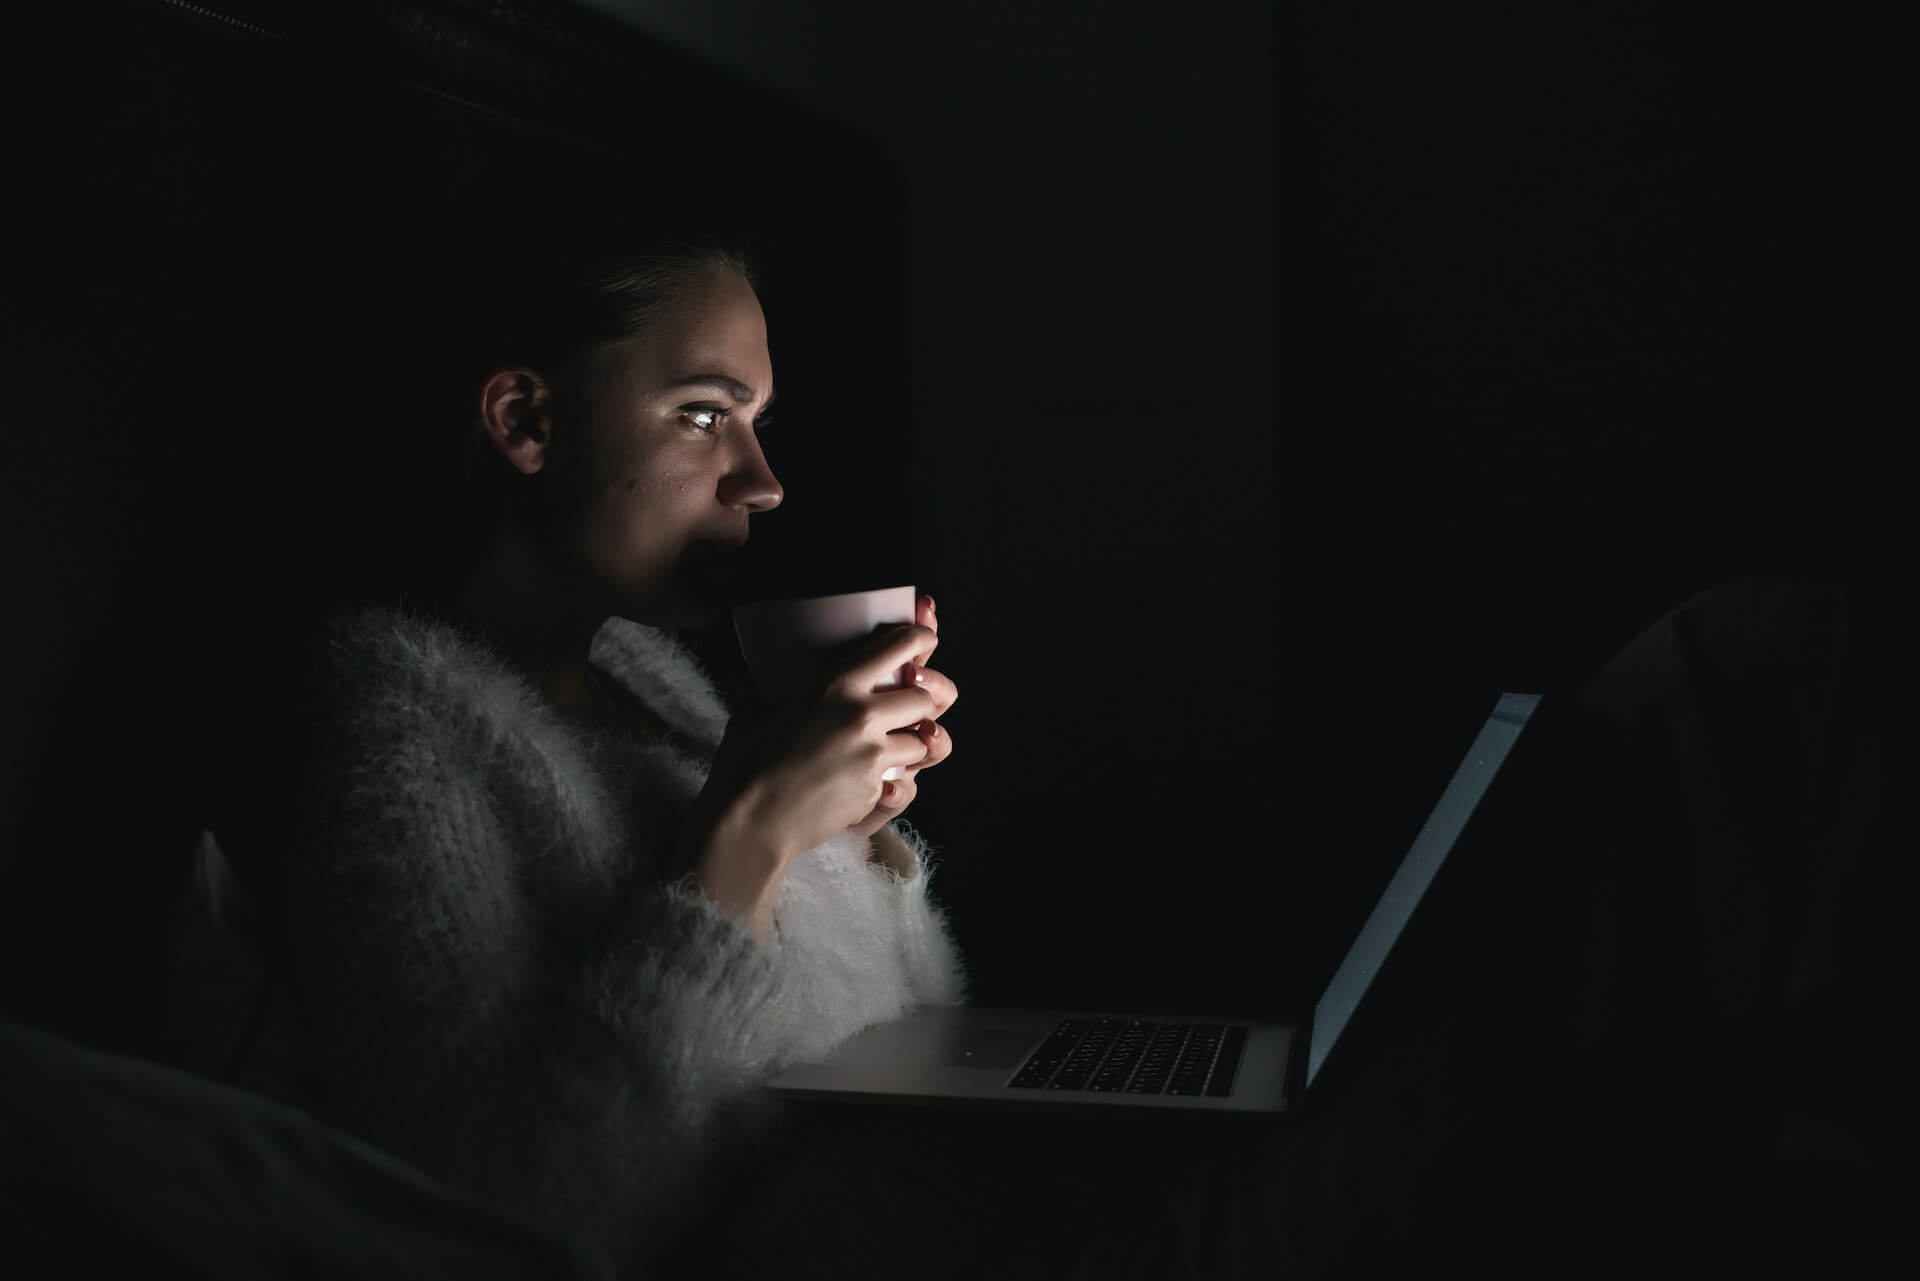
(1055, 1059)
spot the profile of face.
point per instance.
(648, 493)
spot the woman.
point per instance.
(528, 908)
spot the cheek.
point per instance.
(642, 510)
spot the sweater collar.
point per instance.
(660, 670)
(385, 642)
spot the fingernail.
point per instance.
(892, 773)
(931, 608)
(919, 675)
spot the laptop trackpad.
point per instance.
(990, 1047)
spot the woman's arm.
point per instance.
(935, 973)
(850, 917)
(859, 943)
(469, 986)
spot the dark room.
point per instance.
(507, 496)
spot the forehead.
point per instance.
(714, 325)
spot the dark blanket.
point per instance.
(113, 1166)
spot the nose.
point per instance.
(751, 483)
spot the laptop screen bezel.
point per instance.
(1517, 772)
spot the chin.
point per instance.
(673, 615)
(703, 588)
(699, 617)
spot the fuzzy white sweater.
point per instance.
(447, 919)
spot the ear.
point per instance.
(516, 417)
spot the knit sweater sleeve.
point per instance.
(861, 941)
(470, 983)
(928, 952)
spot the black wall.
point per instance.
(1094, 369)
(1593, 310)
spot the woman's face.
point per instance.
(671, 471)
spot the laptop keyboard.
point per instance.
(1135, 1056)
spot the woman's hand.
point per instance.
(787, 778)
(896, 795)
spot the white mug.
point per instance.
(786, 643)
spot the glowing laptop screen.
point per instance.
(1416, 872)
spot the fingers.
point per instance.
(896, 796)
(945, 693)
(904, 750)
(899, 792)
(879, 662)
(897, 709)
(894, 799)
(938, 742)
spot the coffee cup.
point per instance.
(790, 645)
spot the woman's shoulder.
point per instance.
(373, 641)
(373, 713)
(352, 678)
(387, 663)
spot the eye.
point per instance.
(706, 418)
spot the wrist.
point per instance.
(737, 865)
(885, 848)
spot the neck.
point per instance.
(520, 606)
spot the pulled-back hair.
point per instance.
(600, 284)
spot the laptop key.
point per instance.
(1189, 1076)
(1085, 1059)
(1121, 1061)
(1221, 1082)
(1158, 1063)
(1053, 1052)
(1033, 1075)
(1137, 1057)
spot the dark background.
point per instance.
(1578, 316)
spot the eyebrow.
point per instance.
(731, 386)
